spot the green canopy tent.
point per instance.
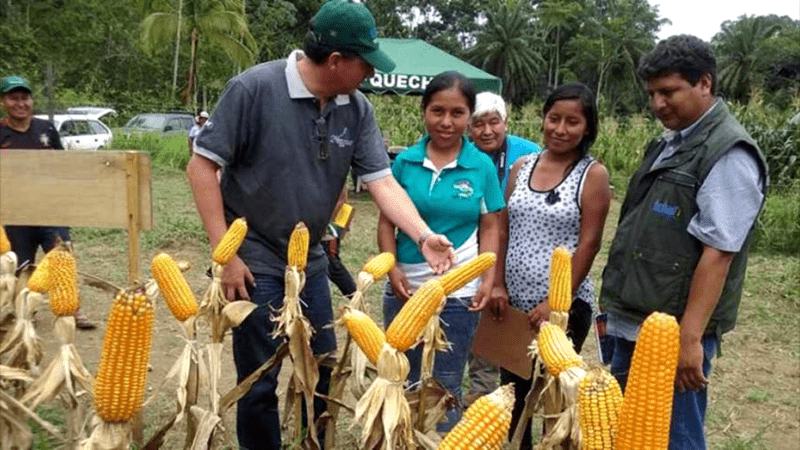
(417, 63)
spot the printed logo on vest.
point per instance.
(667, 211)
(463, 189)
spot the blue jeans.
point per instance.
(257, 421)
(688, 407)
(26, 240)
(459, 325)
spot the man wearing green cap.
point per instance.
(285, 134)
(20, 130)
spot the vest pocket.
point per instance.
(656, 281)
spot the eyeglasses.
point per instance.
(321, 137)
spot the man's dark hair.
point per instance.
(684, 54)
(319, 51)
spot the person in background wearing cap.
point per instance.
(286, 133)
(200, 121)
(488, 130)
(20, 130)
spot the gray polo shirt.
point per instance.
(284, 160)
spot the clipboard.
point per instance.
(505, 343)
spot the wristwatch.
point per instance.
(422, 237)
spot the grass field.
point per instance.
(754, 390)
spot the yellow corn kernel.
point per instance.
(463, 274)
(644, 419)
(379, 265)
(173, 286)
(485, 423)
(231, 241)
(344, 215)
(409, 323)
(63, 290)
(560, 297)
(122, 374)
(298, 247)
(40, 280)
(365, 332)
(5, 244)
(556, 349)
(599, 401)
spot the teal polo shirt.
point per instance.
(452, 203)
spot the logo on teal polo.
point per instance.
(463, 189)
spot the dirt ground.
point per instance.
(755, 388)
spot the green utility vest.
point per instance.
(652, 258)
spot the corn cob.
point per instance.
(343, 215)
(599, 401)
(40, 280)
(231, 241)
(556, 349)
(409, 323)
(64, 283)
(485, 423)
(173, 286)
(379, 265)
(298, 247)
(365, 332)
(463, 274)
(644, 419)
(560, 297)
(119, 388)
(5, 244)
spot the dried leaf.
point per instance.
(237, 311)
(207, 421)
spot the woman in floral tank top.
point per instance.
(559, 197)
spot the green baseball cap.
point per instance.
(13, 82)
(346, 25)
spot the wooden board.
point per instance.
(505, 343)
(72, 188)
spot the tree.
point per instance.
(221, 24)
(507, 48)
(742, 65)
(606, 50)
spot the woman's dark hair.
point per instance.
(447, 80)
(684, 54)
(580, 92)
(319, 51)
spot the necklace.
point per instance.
(552, 197)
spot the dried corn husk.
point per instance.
(558, 400)
(65, 373)
(8, 267)
(213, 302)
(291, 323)
(21, 346)
(383, 411)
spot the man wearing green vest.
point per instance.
(685, 226)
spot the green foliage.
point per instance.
(400, 118)
(742, 64)
(620, 146)
(168, 151)
(507, 47)
(778, 227)
(778, 139)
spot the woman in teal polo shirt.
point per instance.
(455, 188)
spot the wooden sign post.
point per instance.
(106, 189)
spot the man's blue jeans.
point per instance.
(688, 407)
(459, 325)
(257, 421)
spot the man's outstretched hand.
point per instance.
(438, 252)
